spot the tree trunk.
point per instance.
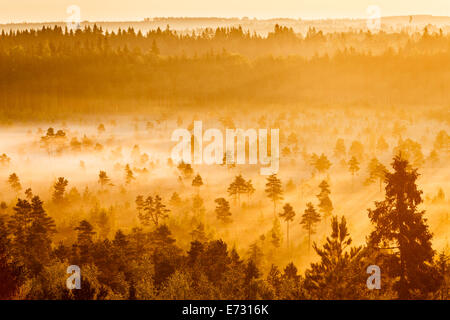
(287, 234)
(274, 209)
(309, 241)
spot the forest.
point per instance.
(51, 73)
(86, 176)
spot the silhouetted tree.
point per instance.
(376, 172)
(325, 204)
(14, 182)
(153, 211)
(400, 226)
(59, 190)
(197, 182)
(85, 241)
(249, 189)
(103, 179)
(29, 194)
(129, 176)
(237, 187)
(338, 274)
(32, 230)
(288, 215)
(223, 210)
(353, 167)
(274, 190)
(309, 219)
(322, 164)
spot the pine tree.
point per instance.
(337, 275)
(29, 194)
(322, 164)
(14, 182)
(401, 227)
(175, 200)
(274, 190)
(443, 266)
(223, 210)
(103, 179)
(8, 273)
(129, 176)
(237, 187)
(309, 219)
(249, 189)
(353, 167)
(139, 203)
(153, 211)
(85, 241)
(376, 172)
(59, 190)
(197, 182)
(288, 215)
(32, 230)
(275, 234)
(339, 149)
(325, 204)
(185, 170)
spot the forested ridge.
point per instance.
(54, 72)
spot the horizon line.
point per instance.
(243, 18)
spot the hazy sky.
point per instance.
(55, 10)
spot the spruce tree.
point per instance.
(309, 219)
(400, 228)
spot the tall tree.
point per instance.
(85, 241)
(103, 179)
(139, 204)
(249, 189)
(401, 228)
(274, 190)
(185, 170)
(129, 176)
(237, 187)
(32, 230)
(29, 194)
(59, 190)
(197, 182)
(153, 211)
(325, 204)
(175, 200)
(337, 275)
(223, 210)
(377, 171)
(353, 167)
(309, 220)
(14, 182)
(9, 274)
(288, 215)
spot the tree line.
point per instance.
(147, 263)
(92, 71)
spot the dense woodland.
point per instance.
(148, 264)
(55, 72)
(86, 176)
